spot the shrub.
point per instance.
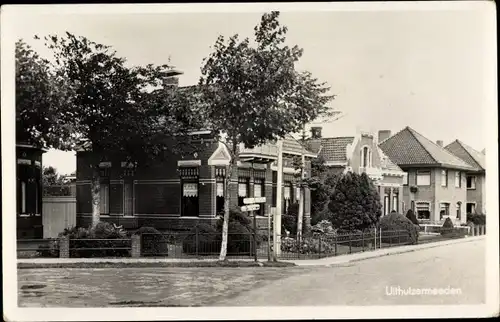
(49, 250)
(309, 245)
(398, 228)
(207, 237)
(411, 215)
(323, 227)
(354, 203)
(153, 242)
(477, 219)
(85, 242)
(447, 227)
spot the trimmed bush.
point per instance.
(153, 242)
(310, 245)
(49, 250)
(85, 242)
(396, 228)
(323, 227)
(477, 219)
(411, 215)
(354, 203)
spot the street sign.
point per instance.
(250, 207)
(247, 201)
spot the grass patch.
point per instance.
(235, 264)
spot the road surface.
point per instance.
(457, 269)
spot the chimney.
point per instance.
(316, 132)
(383, 135)
(440, 143)
(484, 151)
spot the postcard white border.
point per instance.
(12, 312)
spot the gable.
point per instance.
(221, 156)
(474, 158)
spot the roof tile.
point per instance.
(474, 158)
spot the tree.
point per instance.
(354, 203)
(50, 177)
(254, 95)
(39, 97)
(117, 111)
(411, 215)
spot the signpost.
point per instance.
(252, 204)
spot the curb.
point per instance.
(357, 257)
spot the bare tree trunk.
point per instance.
(227, 195)
(95, 187)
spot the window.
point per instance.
(406, 179)
(444, 210)
(243, 188)
(471, 182)
(128, 198)
(459, 210)
(258, 191)
(386, 205)
(395, 203)
(404, 206)
(458, 179)
(23, 197)
(366, 157)
(444, 178)
(423, 178)
(423, 210)
(219, 190)
(412, 206)
(104, 196)
(287, 196)
(470, 208)
(189, 187)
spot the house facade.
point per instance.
(475, 179)
(29, 191)
(360, 153)
(179, 192)
(435, 186)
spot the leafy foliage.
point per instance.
(411, 215)
(354, 203)
(254, 94)
(477, 219)
(40, 96)
(153, 242)
(396, 228)
(106, 240)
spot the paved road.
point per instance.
(360, 283)
(460, 267)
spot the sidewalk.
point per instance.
(328, 261)
(349, 258)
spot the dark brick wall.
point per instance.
(157, 198)
(116, 198)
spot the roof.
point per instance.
(410, 148)
(474, 158)
(386, 162)
(331, 149)
(290, 146)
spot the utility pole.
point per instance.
(301, 188)
(279, 203)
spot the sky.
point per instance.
(389, 69)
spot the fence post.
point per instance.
(64, 247)
(363, 240)
(319, 246)
(136, 246)
(196, 240)
(380, 237)
(399, 237)
(350, 249)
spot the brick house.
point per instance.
(475, 179)
(29, 191)
(178, 192)
(436, 181)
(360, 153)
